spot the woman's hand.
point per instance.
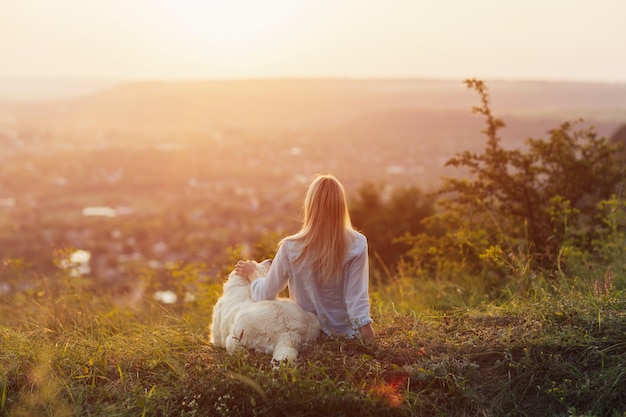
(367, 332)
(246, 269)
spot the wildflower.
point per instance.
(597, 288)
(604, 288)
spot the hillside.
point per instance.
(78, 353)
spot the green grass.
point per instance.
(439, 352)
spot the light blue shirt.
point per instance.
(342, 308)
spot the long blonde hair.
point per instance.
(326, 230)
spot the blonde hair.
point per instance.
(326, 230)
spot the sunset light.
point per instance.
(226, 23)
(207, 39)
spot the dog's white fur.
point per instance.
(278, 327)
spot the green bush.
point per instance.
(523, 212)
(386, 219)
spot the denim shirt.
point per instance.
(342, 308)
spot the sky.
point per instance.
(572, 40)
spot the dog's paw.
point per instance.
(284, 356)
(280, 363)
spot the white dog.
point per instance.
(278, 327)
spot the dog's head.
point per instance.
(263, 267)
(237, 280)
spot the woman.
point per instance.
(325, 265)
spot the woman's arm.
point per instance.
(357, 294)
(266, 288)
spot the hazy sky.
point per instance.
(165, 39)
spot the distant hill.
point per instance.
(293, 104)
(25, 89)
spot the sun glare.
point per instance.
(227, 21)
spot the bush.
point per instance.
(385, 220)
(523, 212)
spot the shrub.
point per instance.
(520, 211)
(385, 220)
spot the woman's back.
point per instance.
(342, 306)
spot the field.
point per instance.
(560, 352)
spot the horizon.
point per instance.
(164, 40)
(37, 89)
(34, 89)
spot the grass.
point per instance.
(66, 351)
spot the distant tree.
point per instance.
(517, 207)
(385, 221)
